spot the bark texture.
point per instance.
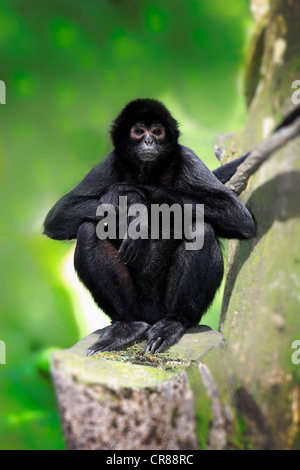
(260, 313)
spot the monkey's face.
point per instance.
(148, 142)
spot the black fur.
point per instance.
(151, 289)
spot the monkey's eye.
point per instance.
(139, 131)
(157, 132)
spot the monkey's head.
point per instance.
(145, 131)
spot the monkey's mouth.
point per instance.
(148, 154)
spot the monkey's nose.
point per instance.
(149, 141)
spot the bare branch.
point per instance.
(261, 153)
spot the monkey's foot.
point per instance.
(163, 334)
(118, 335)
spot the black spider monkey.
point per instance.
(153, 289)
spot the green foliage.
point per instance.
(69, 67)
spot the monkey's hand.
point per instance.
(130, 249)
(163, 334)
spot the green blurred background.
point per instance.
(69, 67)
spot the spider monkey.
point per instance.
(152, 289)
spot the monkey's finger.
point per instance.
(96, 348)
(163, 346)
(127, 255)
(154, 345)
(167, 343)
(122, 256)
(132, 256)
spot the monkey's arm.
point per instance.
(80, 204)
(66, 216)
(196, 184)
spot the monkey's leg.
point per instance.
(194, 277)
(110, 283)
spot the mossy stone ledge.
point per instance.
(130, 400)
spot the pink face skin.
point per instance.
(139, 131)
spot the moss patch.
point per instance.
(137, 355)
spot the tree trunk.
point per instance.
(260, 314)
(147, 402)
